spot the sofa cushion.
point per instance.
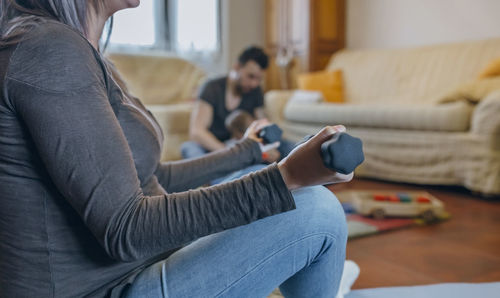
(473, 91)
(174, 122)
(329, 83)
(453, 116)
(413, 75)
(491, 70)
(159, 80)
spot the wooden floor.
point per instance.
(466, 248)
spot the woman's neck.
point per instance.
(95, 26)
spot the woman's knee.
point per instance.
(320, 211)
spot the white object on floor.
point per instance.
(449, 290)
(349, 276)
(304, 96)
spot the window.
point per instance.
(128, 31)
(182, 26)
(197, 25)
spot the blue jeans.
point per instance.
(301, 251)
(191, 149)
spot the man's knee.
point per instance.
(191, 149)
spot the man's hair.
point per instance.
(256, 54)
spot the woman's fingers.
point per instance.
(342, 177)
(340, 128)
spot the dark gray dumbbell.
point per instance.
(342, 153)
(270, 134)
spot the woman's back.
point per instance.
(83, 197)
(45, 248)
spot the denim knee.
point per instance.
(191, 149)
(321, 212)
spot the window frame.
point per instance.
(165, 33)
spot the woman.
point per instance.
(87, 209)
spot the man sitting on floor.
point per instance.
(240, 90)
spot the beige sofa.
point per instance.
(394, 103)
(167, 86)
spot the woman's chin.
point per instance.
(134, 3)
(117, 5)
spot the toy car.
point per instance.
(407, 204)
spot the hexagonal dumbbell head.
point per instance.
(342, 153)
(270, 134)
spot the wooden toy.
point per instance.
(389, 204)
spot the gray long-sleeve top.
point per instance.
(83, 196)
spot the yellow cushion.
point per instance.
(473, 91)
(328, 82)
(491, 70)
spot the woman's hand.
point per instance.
(304, 165)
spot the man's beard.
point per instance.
(238, 90)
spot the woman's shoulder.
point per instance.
(55, 57)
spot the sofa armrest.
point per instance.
(174, 122)
(172, 118)
(485, 119)
(274, 104)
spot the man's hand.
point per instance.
(252, 133)
(254, 128)
(271, 156)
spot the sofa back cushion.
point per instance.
(157, 79)
(454, 116)
(411, 76)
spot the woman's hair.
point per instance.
(19, 16)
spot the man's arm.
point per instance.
(201, 119)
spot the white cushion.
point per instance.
(305, 96)
(453, 116)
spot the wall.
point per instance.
(404, 23)
(242, 25)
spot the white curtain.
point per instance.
(196, 27)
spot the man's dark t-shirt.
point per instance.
(214, 93)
